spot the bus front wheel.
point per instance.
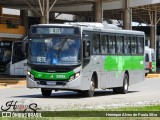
(45, 92)
(90, 92)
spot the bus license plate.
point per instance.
(51, 83)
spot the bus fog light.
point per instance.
(71, 78)
(32, 77)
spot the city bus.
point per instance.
(83, 57)
(12, 58)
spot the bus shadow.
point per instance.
(73, 95)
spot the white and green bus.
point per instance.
(83, 57)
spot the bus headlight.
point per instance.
(28, 73)
(76, 75)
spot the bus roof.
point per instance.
(94, 26)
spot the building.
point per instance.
(11, 28)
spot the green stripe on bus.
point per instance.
(121, 63)
(153, 66)
(52, 76)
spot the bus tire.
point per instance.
(45, 92)
(90, 92)
(124, 89)
(146, 74)
(115, 90)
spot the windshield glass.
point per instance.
(5, 52)
(54, 51)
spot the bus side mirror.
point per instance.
(25, 46)
(86, 49)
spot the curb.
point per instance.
(153, 76)
(5, 83)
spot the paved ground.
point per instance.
(146, 92)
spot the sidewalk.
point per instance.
(154, 75)
(8, 81)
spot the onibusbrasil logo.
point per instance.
(18, 109)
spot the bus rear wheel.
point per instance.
(124, 89)
(45, 92)
(90, 92)
(115, 90)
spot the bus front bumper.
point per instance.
(55, 85)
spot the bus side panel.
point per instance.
(95, 65)
(136, 76)
(19, 68)
(137, 73)
(118, 65)
(115, 66)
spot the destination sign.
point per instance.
(54, 30)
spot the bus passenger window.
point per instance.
(119, 45)
(134, 45)
(146, 57)
(104, 44)
(127, 45)
(96, 44)
(140, 45)
(111, 44)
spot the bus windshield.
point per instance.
(54, 51)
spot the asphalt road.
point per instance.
(143, 93)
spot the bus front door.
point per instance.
(19, 62)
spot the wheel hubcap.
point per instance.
(126, 84)
(92, 86)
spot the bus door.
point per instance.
(18, 60)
